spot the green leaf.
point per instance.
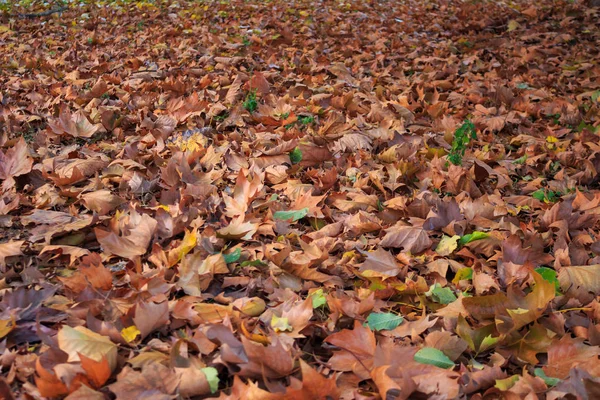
(488, 342)
(296, 155)
(471, 237)
(253, 263)
(383, 321)
(539, 195)
(463, 274)
(433, 356)
(318, 298)
(549, 380)
(521, 160)
(505, 384)
(442, 295)
(549, 275)
(212, 376)
(294, 215)
(233, 256)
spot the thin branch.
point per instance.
(44, 13)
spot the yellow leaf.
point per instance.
(80, 340)
(513, 25)
(551, 139)
(4, 28)
(187, 244)
(447, 245)
(130, 333)
(7, 325)
(280, 324)
(212, 312)
(253, 306)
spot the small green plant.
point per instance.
(28, 135)
(251, 104)
(221, 117)
(296, 155)
(462, 138)
(306, 119)
(547, 196)
(246, 42)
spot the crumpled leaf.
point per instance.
(76, 125)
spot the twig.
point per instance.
(43, 14)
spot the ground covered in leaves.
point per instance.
(308, 200)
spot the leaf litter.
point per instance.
(351, 200)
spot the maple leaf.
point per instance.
(381, 264)
(234, 90)
(10, 249)
(314, 385)
(357, 350)
(150, 316)
(155, 381)
(411, 239)
(124, 241)
(73, 252)
(297, 314)
(16, 161)
(101, 201)
(251, 391)
(80, 340)
(76, 125)
(272, 361)
(259, 83)
(308, 201)
(238, 230)
(580, 281)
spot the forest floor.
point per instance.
(300, 200)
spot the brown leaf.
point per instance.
(82, 341)
(101, 201)
(155, 382)
(357, 350)
(582, 282)
(85, 393)
(130, 243)
(16, 161)
(381, 264)
(234, 90)
(272, 361)
(314, 386)
(150, 316)
(566, 353)
(10, 249)
(408, 238)
(76, 125)
(259, 83)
